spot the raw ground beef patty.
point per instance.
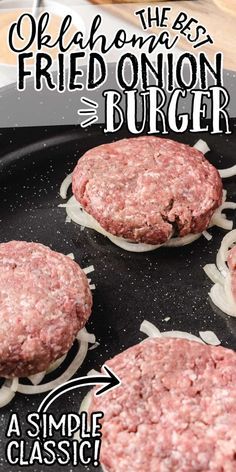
(175, 410)
(232, 268)
(147, 189)
(45, 300)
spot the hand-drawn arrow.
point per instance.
(91, 111)
(110, 381)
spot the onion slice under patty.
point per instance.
(219, 273)
(65, 185)
(6, 393)
(226, 173)
(80, 216)
(202, 146)
(205, 337)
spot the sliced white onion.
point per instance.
(226, 173)
(227, 242)
(93, 372)
(222, 222)
(227, 206)
(14, 384)
(228, 291)
(217, 295)
(150, 329)
(71, 256)
(80, 216)
(132, 247)
(210, 338)
(207, 235)
(202, 146)
(213, 273)
(181, 335)
(37, 378)
(6, 393)
(219, 219)
(94, 346)
(224, 195)
(92, 286)
(85, 404)
(89, 269)
(56, 364)
(85, 336)
(65, 185)
(221, 293)
(175, 242)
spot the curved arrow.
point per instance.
(111, 381)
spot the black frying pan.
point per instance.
(130, 287)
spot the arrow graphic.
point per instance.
(91, 111)
(110, 381)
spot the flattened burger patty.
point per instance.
(175, 410)
(232, 267)
(45, 300)
(146, 189)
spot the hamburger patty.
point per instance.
(232, 267)
(147, 189)
(175, 410)
(45, 300)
